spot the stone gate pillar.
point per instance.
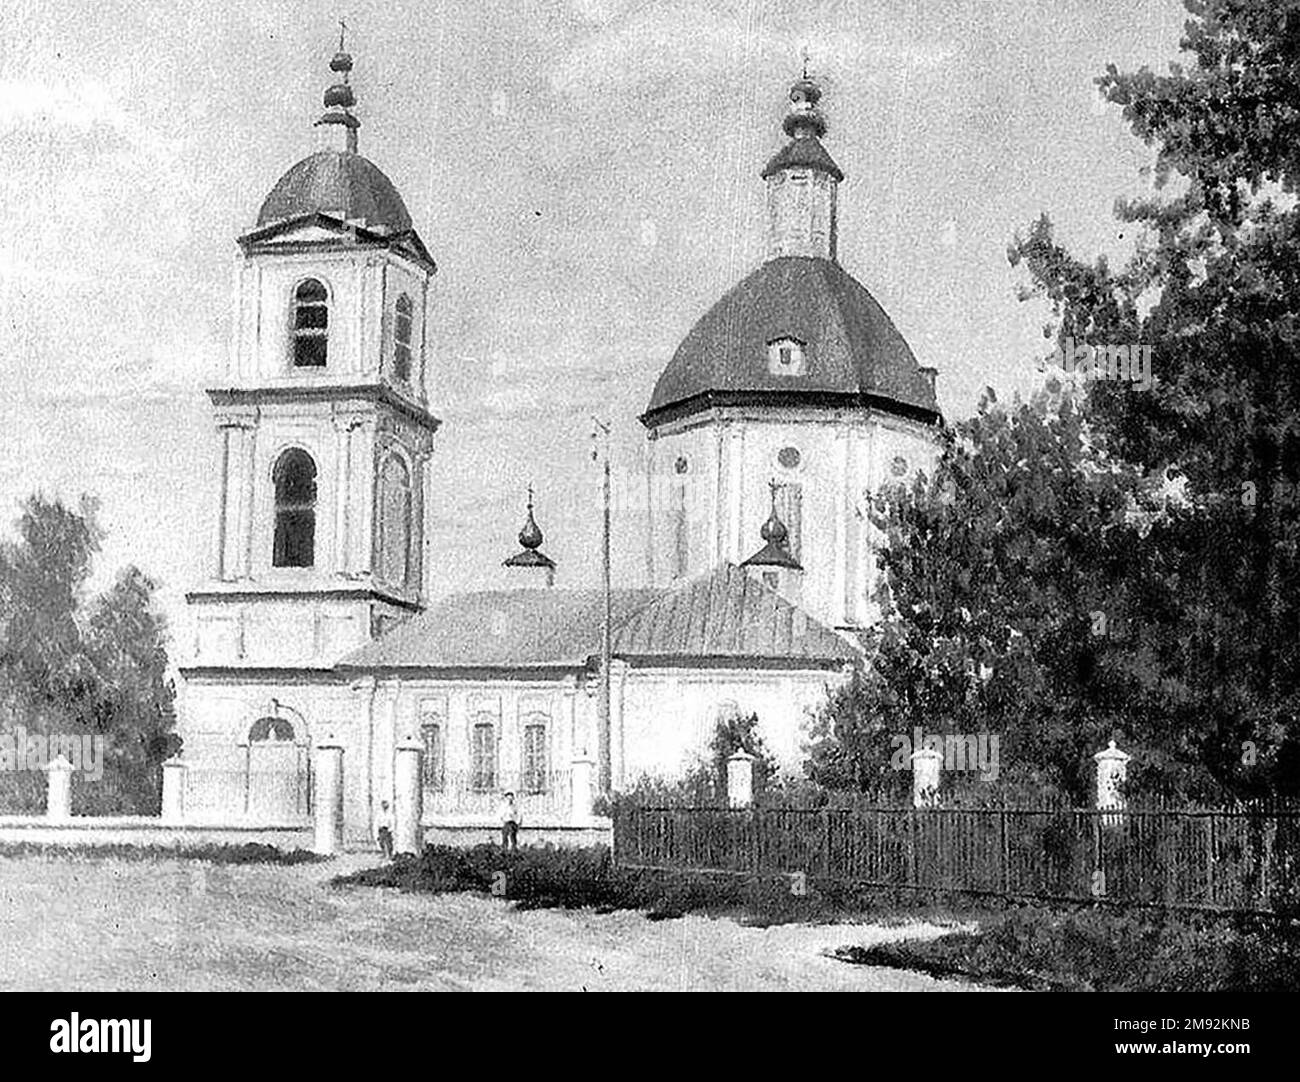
(329, 797)
(740, 779)
(58, 792)
(173, 791)
(408, 797)
(926, 763)
(582, 780)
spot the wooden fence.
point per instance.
(1223, 860)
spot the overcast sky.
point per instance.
(585, 173)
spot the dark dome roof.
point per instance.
(341, 184)
(850, 346)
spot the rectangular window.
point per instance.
(434, 757)
(483, 757)
(309, 350)
(535, 758)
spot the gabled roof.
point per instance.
(727, 614)
(853, 353)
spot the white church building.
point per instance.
(785, 408)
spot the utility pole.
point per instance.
(605, 735)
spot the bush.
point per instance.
(546, 876)
(1105, 950)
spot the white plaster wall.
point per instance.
(363, 286)
(843, 457)
(669, 715)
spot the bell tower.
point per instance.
(323, 429)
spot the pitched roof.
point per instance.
(806, 152)
(726, 614)
(851, 348)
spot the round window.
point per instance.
(788, 457)
(899, 466)
(681, 465)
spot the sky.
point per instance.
(586, 175)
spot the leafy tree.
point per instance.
(72, 665)
(1215, 284)
(1038, 585)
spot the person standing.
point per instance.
(384, 830)
(509, 822)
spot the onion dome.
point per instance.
(530, 538)
(338, 182)
(805, 125)
(339, 98)
(776, 547)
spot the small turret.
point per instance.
(530, 565)
(774, 563)
(803, 181)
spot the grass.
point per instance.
(1106, 950)
(248, 853)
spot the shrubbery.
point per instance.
(1107, 950)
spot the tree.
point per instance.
(995, 574)
(1215, 284)
(73, 666)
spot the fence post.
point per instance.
(173, 790)
(58, 791)
(1004, 848)
(329, 797)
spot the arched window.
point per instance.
(394, 521)
(311, 324)
(295, 510)
(402, 338)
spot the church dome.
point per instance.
(849, 350)
(341, 184)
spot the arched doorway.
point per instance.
(278, 779)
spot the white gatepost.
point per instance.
(58, 792)
(408, 797)
(581, 781)
(740, 779)
(173, 791)
(1112, 771)
(329, 798)
(926, 763)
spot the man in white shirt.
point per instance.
(509, 822)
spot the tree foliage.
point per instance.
(1040, 555)
(70, 664)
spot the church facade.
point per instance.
(783, 410)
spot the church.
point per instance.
(786, 407)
